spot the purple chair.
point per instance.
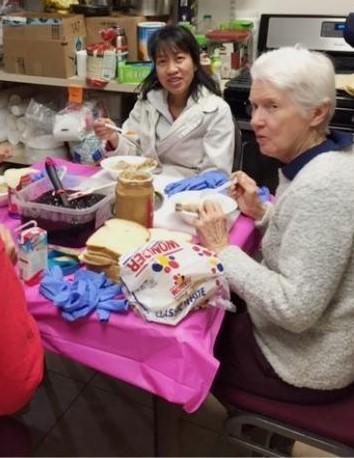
(329, 427)
(15, 438)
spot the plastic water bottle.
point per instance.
(206, 24)
(121, 45)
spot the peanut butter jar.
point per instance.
(135, 197)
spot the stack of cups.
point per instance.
(81, 63)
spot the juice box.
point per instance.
(33, 252)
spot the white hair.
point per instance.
(309, 76)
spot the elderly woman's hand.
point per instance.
(102, 131)
(245, 192)
(10, 247)
(211, 226)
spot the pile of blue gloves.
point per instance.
(206, 180)
(87, 292)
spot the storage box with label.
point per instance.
(42, 44)
(128, 23)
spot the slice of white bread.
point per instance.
(102, 252)
(97, 258)
(165, 234)
(118, 236)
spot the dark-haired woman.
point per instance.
(180, 118)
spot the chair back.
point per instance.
(238, 151)
(263, 169)
(325, 426)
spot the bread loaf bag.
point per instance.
(166, 279)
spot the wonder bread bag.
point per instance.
(166, 279)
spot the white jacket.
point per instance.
(202, 137)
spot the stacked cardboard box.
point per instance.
(42, 44)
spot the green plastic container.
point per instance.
(239, 24)
(201, 39)
(133, 72)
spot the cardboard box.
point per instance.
(42, 44)
(129, 24)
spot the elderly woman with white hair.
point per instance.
(295, 342)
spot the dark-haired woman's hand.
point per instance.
(104, 132)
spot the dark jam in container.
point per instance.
(73, 234)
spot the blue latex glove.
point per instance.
(109, 291)
(263, 193)
(88, 291)
(53, 283)
(104, 309)
(206, 180)
(98, 279)
(82, 295)
(79, 313)
(111, 300)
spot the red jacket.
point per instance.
(21, 351)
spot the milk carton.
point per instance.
(33, 252)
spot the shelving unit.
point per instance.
(112, 86)
(19, 151)
(19, 156)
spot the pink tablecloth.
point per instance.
(176, 363)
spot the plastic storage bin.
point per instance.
(133, 72)
(65, 226)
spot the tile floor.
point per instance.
(79, 412)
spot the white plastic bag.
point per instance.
(89, 151)
(165, 280)
(74, 122)
(40, 116)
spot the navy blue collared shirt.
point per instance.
(336, 141)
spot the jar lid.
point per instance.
(131, 176)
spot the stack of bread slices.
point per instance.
(110, 242)
(118, 237)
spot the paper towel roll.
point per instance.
(15, 99)
(21, 124)
(13, 136)
(18, 110)
(81, 62)
(27, 134)
(11, 122)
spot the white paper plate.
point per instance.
(228, 204)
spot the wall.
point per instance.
(221, 10)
